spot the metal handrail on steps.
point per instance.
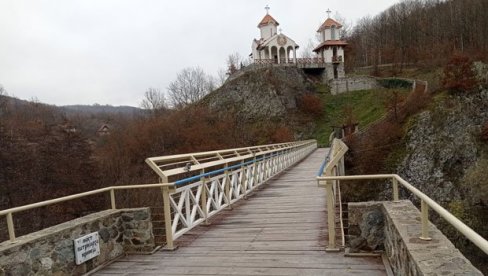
(329, 181)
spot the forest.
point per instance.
(423, 33)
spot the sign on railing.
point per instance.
(86, 247)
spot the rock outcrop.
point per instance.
(267, 93)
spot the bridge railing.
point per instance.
(195, 193)
(212, 181)
(329, 179)
(333, 165)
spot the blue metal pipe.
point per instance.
(197, 177)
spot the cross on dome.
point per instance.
(328, 13)
(267, 8)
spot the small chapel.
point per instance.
(331, 47)
(273, 46)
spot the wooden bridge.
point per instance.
(281, 229)
(263, 210)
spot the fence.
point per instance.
(332, 172)
(219, 179)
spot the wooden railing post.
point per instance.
(227, 187)
(244, 180)
(112, 199)
(167, 219)
(10, 226)
(203, 199)
(395, 189)
(424, 216)
(330, 215)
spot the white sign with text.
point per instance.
(86, 247)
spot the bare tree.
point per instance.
(191, 85)
(154, 100)
(234, 62)
(307, 51)
(221, 76)
(3, 100)
(346, 25)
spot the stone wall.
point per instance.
(51, 250)
(397, 226)
(338, 86)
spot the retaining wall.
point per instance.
(51, 250)
(343, 85)
(395, 227)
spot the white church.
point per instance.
(276, 48)
(273, 47)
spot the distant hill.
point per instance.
(98, 109)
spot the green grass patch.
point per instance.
(366, 107)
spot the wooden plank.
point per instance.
(281, 229)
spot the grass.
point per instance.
(366, 107)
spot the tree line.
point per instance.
(421, 32)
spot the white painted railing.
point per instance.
(329, 178)
(220, 181)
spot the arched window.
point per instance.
(333, 32)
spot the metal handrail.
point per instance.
(266, 152)
(9, 212)
(214, 172)
(252, 152)
(426, 202)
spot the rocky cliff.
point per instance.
(446, 159)
(269, 93)
(280, 101)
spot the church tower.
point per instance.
(268, 26)
(273, 47)
(331, 47)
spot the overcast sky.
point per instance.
(110, 51)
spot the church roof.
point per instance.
(262, 43)
(266, 20)
(330, 43)
(329, 23)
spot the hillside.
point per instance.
(267, 99)
(438, 143)
(407, 33)
(102, 109)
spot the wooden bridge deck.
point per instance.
(279, 230)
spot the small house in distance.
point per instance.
(104, 130)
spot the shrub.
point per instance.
(459, 75)
(311, 105)
(395, 83)
(281, 135)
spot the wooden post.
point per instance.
(112, 199)
(330, 216)
(244, 180)
(203, 199)
(227, 188)
(10, 226)
(167, 219)
(395, 189)
(424, 209)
